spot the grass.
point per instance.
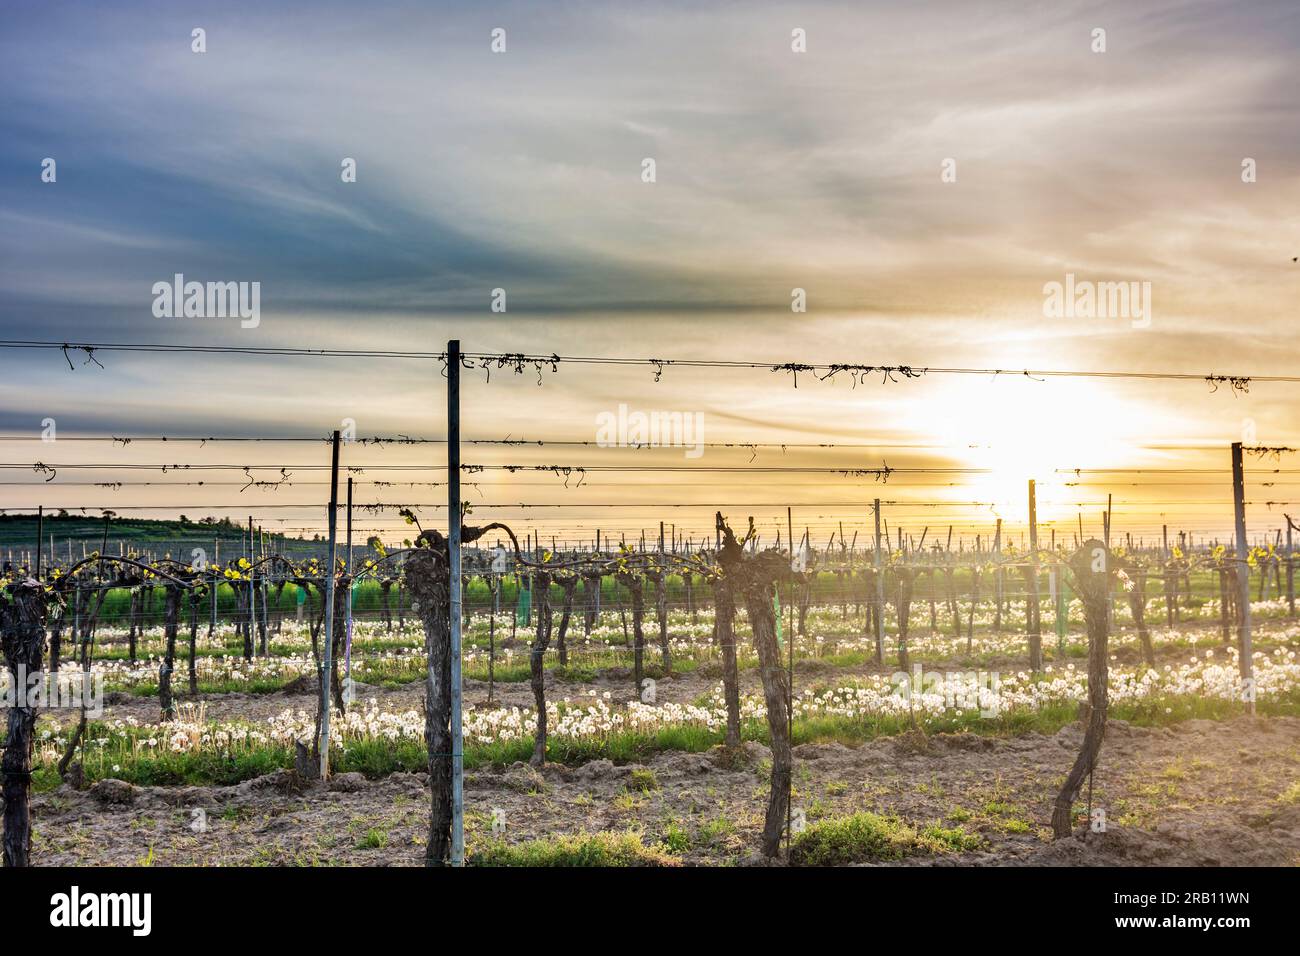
(676, 840)
(600, 849)
(869, 837)
(643, 780)
(717, 830)
(1001, 808)
(378, 758)
(1003, 814)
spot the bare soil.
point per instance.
(1202, 793)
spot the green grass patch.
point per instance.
(643, 780)
(868, 837)
(600, 849)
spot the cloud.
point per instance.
(522, 171)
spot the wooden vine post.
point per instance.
(1245, 663)
(494, 591)
(1033, 608)
(999, 578)
(323, 740)
(252, 593)
(350, 577)
(454, 521)
(880, 592)
(1290, 568)
(1092, 569)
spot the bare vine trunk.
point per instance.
(591, 595)
(903, 578)
(263, 645)
(724, 603)
(805, 601)
(636, 588)
(1137, 603)
(314, 623)
(242, 594)
(661, 617)
(1225, 607)
(279, 610)
(429, 581)
(1032, 613)
(934, 616)
(974, 603)
(56, 642)
(1000, 590)
(341, 589)
(536, 660)
(875, 627)
(67, 769)
(133, 612)
(171, 614)
(1171, 594)
(22, 628)
(1091, 565)
(194, 637)
(753, 576)
(569, 584)
(954, 608)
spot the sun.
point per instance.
(1015, 430)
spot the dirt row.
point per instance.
(1202, 793)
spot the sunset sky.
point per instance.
(774, 170)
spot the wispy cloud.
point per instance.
(774, 170)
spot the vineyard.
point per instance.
(691, 698)
(820, 453)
